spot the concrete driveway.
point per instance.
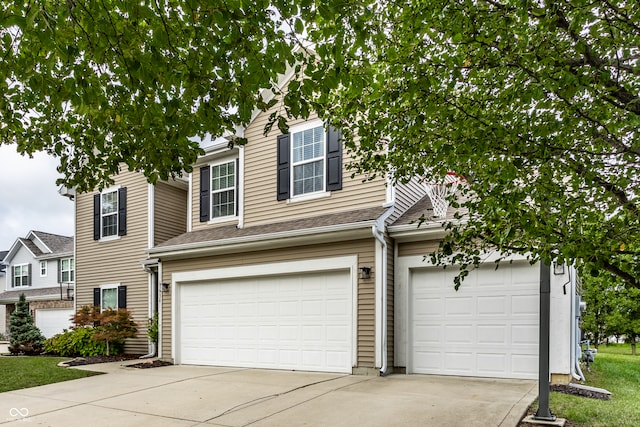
(212, 396)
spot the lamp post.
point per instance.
(544, 413)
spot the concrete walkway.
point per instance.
(212, 396)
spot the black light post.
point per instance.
(544, 413)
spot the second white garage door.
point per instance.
(297, 322)
(489, 328)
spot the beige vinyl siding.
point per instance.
(406, 196)
(170, 212)
(364, 249)
(424, 247)
(390, 302)
(259, 190)
(116, 261)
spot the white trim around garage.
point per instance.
(318, 265)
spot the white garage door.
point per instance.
(53, 321)
(299, 322)
(488, 328)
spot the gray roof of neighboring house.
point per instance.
(2, 255)
(55, 242)
(9, 297)
(231, 231)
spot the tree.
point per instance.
(114, 327)
(613, 309)
(535, 103)
(24, 335)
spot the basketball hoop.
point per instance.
(439, 191)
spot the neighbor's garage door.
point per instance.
(489, 328)
(300, 322)
(53, 321)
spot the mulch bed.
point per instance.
(145, 364)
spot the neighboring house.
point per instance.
(285, 261)
(114, 229)
(41, 266)
(3, 309)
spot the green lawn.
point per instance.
(616, 370)
(18, 372)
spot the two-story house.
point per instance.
(3, 309)
(114, 229)
(41, 265)
(289, 262)
(286, 261)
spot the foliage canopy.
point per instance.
(535, 103)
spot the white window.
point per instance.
(109, 297)
(223, 190)
(67, 270)
(43, 268)
(308, 156)
(109, 213)
(20, 275)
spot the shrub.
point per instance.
(95, 333)
(76, 342)
(152, 328)
(25, 337)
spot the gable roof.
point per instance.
(55, 245)
(3, 267)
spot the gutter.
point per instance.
(148, 265)
(378, 230)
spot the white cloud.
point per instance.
(29, 198)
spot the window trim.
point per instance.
(43, 268)
(13, 275)
(298, 129)
(106, 287)
(113, 190)
(71, 270)
(211, 165)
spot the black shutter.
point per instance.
(96, 297)
(283, 167)
(205, 193)
(12, 275)
(122, 297)
(29, 275)
(96, 217)
(59, 271)
(334, 160)
(122, 211)
(237, 187)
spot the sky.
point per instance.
(29, 198)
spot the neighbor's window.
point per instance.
(43, 268)
(223, 190)
(109, 213)
(21, 275)
(109, 298)
(67, 270)
(308, 160)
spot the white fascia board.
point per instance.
(332, 233)
(54, 256)
(14, 249)
(33, 233)
(413, 233)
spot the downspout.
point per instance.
(153, 298)
(378, 230)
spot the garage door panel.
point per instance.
(486, 328)
(53, 321)
(301, 322)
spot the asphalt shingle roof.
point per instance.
(56, 242)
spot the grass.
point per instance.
(615, 370)
(19, 372)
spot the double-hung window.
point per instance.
(219, 190)
(110, 297)
(21, 275)
(43, 268)
(223, 190)
(109, 214)
(308, 160)
(67, 270)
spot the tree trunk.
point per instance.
(633, 346)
